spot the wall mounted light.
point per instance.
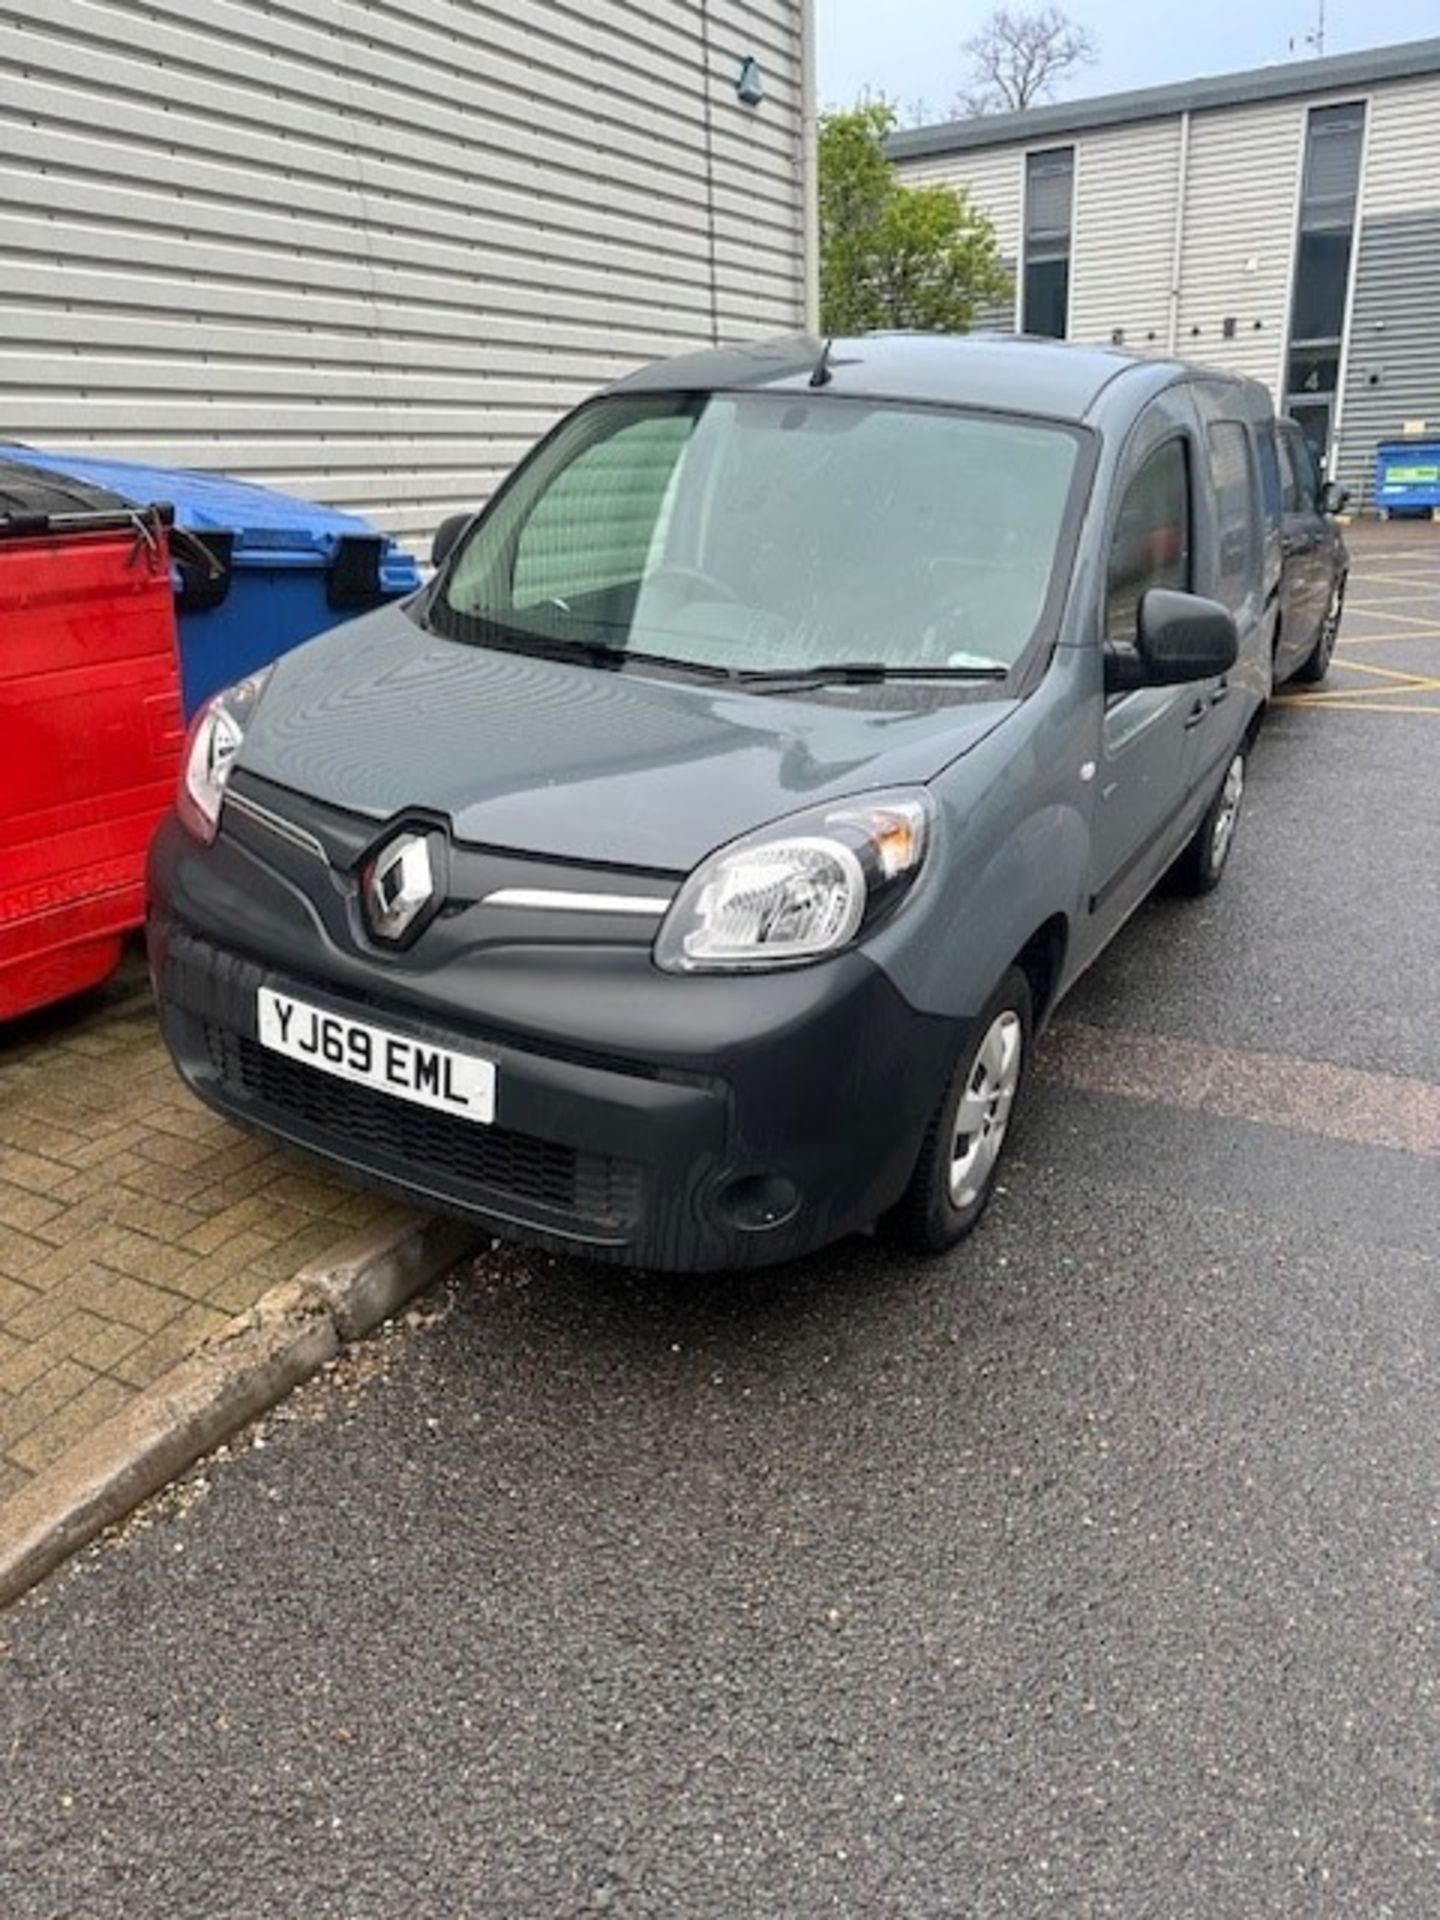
(750, 82)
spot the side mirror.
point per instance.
(1333, 497)
(1178, 637)
(446, 534)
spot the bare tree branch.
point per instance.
(1017, 59)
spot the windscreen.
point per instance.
(764, 533)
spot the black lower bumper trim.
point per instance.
(788, 1116)
(509, 1168)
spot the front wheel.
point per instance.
(955, 1172)
(1202, 865)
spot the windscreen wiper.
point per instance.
(589, 653)
(863, 673)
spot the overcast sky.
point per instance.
(911, 49)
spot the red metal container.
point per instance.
(90, 731)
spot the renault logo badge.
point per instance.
(398, 886)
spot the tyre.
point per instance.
(955, 1173)
(1202, 865)
(1313, 670)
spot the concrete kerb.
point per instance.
(255, 1361)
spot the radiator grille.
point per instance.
(479, 1160)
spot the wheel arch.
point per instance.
(1042, 961)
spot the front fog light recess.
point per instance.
(800, 889)
(214, 739)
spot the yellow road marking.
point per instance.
(1365, 696)
(1398, 620)
(1353, 706)
(1383, 613)
(1391, 639)
(1369, 579)
(1417, 682)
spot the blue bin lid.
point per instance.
(263, 521)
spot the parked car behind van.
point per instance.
(1316, 561)
(683, 876)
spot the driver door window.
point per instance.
(1306, 483)
(1150, 544)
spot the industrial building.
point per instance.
(1283, 223)
(368, 252)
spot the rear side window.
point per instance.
(1150, 546)
(1230, 473)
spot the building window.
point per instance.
(1334, 138)
(1049, 194)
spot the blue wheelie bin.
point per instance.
(1407, 477)
(284, 569)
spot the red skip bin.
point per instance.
(90, 730)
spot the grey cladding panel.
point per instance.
(368, 250)
(1394, 369)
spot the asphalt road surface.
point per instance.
(1092, 1571)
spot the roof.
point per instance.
(1288, 80)
(1004, 372)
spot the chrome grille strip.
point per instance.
(557, 900)
(275, 823)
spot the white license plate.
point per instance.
(455, 1083)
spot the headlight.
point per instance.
(799, 889)
(210, 749)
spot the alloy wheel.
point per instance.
(984, 1111)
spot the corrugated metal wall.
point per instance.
(1239, 223)
(1243, 183)
(368, 251)
(1393, 372)
(1402, 151)
(995, 181)
(1126, 180)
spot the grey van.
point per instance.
(683, 875)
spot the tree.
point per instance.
(892, 255)
(1017, 58)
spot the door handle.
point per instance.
(1217, 694)
(1196, 714)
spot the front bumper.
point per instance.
(681, 1124)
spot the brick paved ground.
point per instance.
(133, 1221)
